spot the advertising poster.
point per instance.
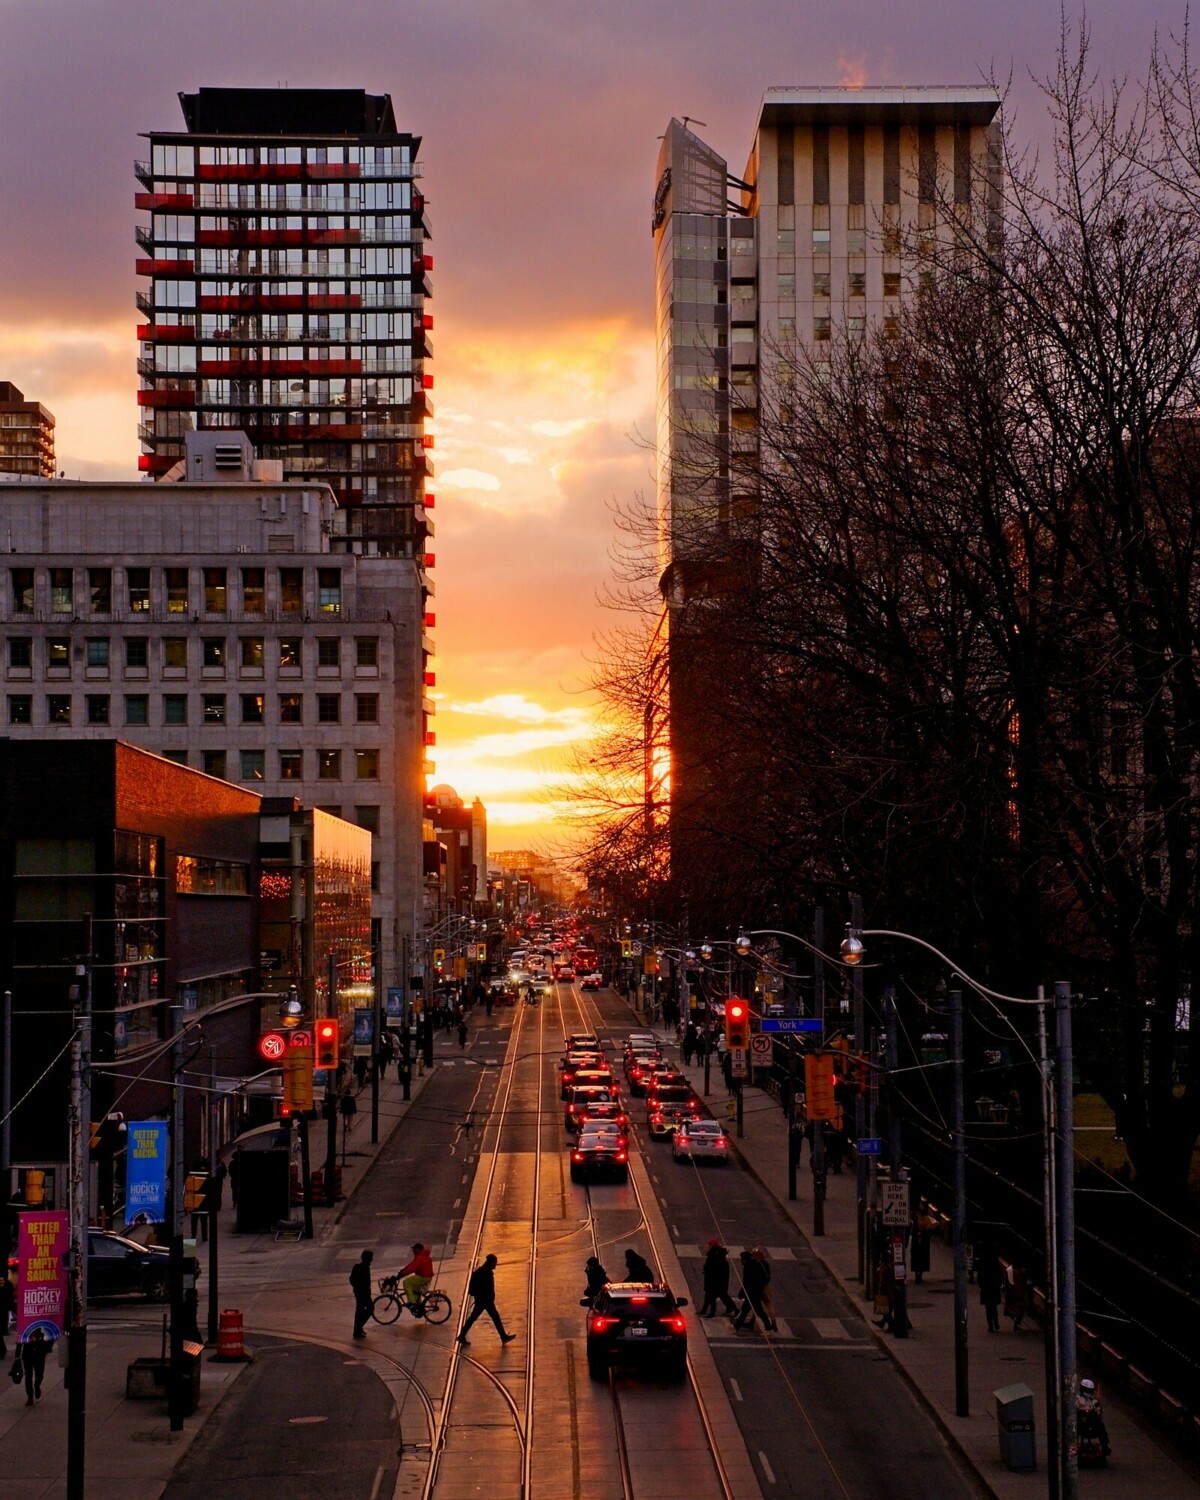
(395, 1005)
(42, 1243)
(364, 1030)
(146, 1171)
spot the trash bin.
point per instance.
(1014, 1418)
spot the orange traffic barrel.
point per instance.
(230, 1345)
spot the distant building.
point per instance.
(218, 624)
(26, 435)
(463, 832)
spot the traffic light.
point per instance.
(820, 1102)
(737, 1025)
(193, 1192)
(626, 947)
(439, 959)
(481, 952)
(327, 1044)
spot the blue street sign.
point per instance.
(791, 1023)
(869, 1146)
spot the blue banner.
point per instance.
(146, 1170)
(395, 1004)
(364, 1029)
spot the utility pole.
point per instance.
(330, 1103)
(214, 1218)
(962, 1396)
(175, 1391)
(81, 1116)
(1050, 1215)
(6, 1097)
(860, 1040)
(817, 1145)
(1069, 1429)
(377, 1042)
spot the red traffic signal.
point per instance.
(326, 1055)
(737, 1025)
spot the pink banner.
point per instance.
(41, 1274)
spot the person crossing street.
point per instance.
(482, 1287)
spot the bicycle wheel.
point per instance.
(437, 1307)
(386, 1308)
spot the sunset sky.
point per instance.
(540, 121)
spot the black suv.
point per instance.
(638, 1324)
(117, 1266)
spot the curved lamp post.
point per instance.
(1062, 1436)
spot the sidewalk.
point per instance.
(1142, 1464)
(130, 1449)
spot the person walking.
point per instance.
(636, 1269)
(1016, 1298)
(989, 1274)
(462, 1034)
(33, 1360)
(755, 1275)
(921, 1237)
(360, 1281)
(482, 1287)
(716, 1281)
(885, 1293)
(766, 1297)
(8, 1307)
(597, 1278)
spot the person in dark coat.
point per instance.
(921, 1238)
(597, 1278)
(716, 1281)
(33, 1360)
(755, 1275)
(989, 1274)
(636, 1269)
(360, 1281)
(482, 1287)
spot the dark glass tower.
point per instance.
(288, 276)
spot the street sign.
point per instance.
(737, 1063)
(895, 1203)
(869, 1146)
(762, 1047)
(791, 1023)
(636, 949)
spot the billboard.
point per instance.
(146, 1170)
(42, 1243)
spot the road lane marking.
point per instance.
(829, 1328)
(767, 1469)
(736, 1389)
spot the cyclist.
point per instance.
(417, 1275)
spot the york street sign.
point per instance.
(791, 1023)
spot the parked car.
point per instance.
(118, 1267)
(593, 981)
(700, 1139)
(639, 1325)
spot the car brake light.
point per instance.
(639, 1301)
(675, 1322)
(620, 1156)
(721, 1141)
(601, 1324)
(576, 1155)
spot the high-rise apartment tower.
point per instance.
(844, 191)
(288, 278)
(26, 435)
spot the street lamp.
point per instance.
(1060, 1221)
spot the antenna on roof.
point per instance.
(692, 120)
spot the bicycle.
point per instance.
(432, 1305)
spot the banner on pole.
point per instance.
(146, 1170)
(42, 1243)
(364, 1030)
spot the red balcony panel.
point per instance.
(332, 169)
(349, 300)
(431, 679)
(430, 559)
(430, 621)
(157, 463)
(429, 501)
(145, 267)
(166, 398)
(431, 736)
(427, 382)
(426, 261)
(248, 172)
(427, 320)
(332, 236)
(162, 200)
(166, 333)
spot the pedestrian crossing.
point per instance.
(797, 1333)
(697, 1252)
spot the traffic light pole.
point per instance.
(81, 1111)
